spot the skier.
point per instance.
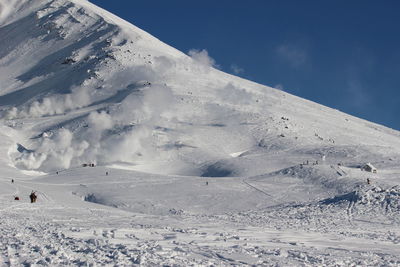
(368, 181)
(12, 181)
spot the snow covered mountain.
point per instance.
(117, 94)
(81, 86)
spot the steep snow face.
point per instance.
(81, 85)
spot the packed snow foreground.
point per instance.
(140, 154)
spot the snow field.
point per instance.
(192, 166)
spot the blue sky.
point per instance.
(340, 53)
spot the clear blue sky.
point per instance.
(344, 54)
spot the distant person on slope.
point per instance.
(33, 197)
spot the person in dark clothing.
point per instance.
(33, 197)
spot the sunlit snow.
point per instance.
(141, 154)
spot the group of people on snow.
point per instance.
(32, 195)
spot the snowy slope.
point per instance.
(79, 85)
(97, 77)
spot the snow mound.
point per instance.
(328, 177)
(360, 209)
(369, 198)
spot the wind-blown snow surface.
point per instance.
(193, 166)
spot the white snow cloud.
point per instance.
(149, 107)
(236, 69)
(235, 95)
(53, 105)
(100, 121)
(56, 152)
(163, 65)
(202, 57)
(139, 115)
(123, 131)
(122, 134)
(81, 96)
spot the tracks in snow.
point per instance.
(255, 188)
